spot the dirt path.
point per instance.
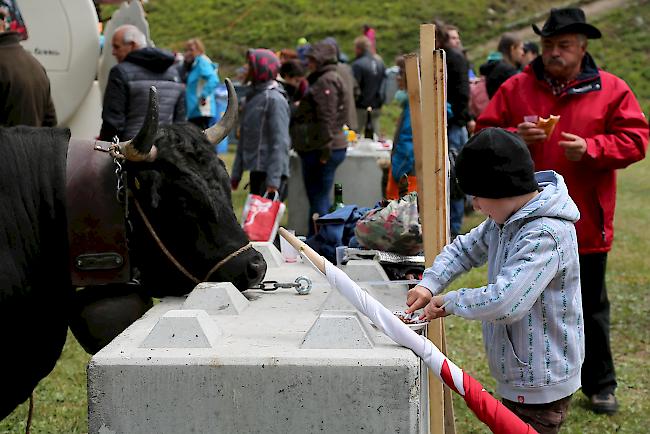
(592, 11)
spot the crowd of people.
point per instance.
(548, 196)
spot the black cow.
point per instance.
(180, 229)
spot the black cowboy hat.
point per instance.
(567, 20)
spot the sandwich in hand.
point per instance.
(548, 124)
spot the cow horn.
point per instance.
(140, 147)
(219, 131)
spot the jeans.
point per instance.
(598, 368)
(456, 138)
(362, 119)
(319, 180)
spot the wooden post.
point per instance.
(428, 108)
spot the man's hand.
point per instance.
(434, 309)
(271, 190)
(471, 126)
(530, 133)
(574, 146)
(234, 183)
(417, 298)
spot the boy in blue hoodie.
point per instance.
(531, 307)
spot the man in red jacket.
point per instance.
(601, 129)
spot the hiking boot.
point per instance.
(604, 402)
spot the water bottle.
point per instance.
(338, 198)
(369, 132)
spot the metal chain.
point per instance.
(120, 174)
(302, 285)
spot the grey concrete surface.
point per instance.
(286, 363)
(359, 174)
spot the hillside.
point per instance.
(228, 27)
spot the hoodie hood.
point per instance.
(324, 53)
(151, 58)
(487, 68)
(552, 201)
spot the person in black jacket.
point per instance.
(458, 112)
(368, 70)
(498, 71)
(127, 91)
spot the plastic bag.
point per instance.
(394, 228)
(261, 217)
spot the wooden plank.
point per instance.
(429, 218)
(415, 108)
(442, 198)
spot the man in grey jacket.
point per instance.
(127, 92)
(531, 308)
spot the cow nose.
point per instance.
(256, 270)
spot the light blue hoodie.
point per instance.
(531, 307)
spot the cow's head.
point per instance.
(182, 225)
(181, 192)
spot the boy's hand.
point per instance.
(434, 309)
(417, 298)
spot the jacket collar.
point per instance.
(9, 39)
(320, 71)
(588, 80)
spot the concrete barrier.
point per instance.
(221, 361)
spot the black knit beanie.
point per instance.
(495, 163)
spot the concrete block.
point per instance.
(364, 270)
(217, 298)
(288, 363)
(271, 254)
(337, 330)
(183, 329)
(359, 174)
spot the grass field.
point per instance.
(60, 399)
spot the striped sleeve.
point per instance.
(463, 254)
(522, 278)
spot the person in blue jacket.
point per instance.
(531, 306)
(202, 81)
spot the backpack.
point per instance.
(478, 96)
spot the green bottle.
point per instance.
(338, 198)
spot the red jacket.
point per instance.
(598, 107)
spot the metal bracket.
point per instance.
(99, 261)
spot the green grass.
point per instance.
(228, 28)
(625, 47)
(60, 399)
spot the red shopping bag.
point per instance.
(261, 217)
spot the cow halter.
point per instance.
(174, 261)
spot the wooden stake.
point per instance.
(428, 108)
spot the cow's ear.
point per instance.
(220, 130)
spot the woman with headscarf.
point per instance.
(263, 146)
